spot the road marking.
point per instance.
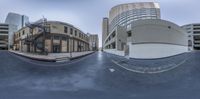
(137, 71)
(112, 70)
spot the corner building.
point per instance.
(60, 37)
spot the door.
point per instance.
(56, 48)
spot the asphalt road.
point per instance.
(94, 77)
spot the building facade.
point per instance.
(160, 37)
(16, 22)
(4, 30)
(105, 29)
(124, 14)
(55, 37)
(136, 31)
(193, 31)
(93, 42)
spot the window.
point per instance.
(2, 28)
(196, 28)
(113, 35)
(64, 38)
(80, 35)
(66, 29)
(196, 32)
(47, 29)
(75, 33)
(4, 32)
(23, 32)
(48, 37)
(196, 25)
(129, 34)
(71, 31)
(56, 37)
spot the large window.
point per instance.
(71, 31)
(23, 32)
(129, 34)
(75, 33)
(196, 32)
(56, 37)
(80, 34)
(66, 29)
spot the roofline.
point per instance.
(190, 24)
(131, 3)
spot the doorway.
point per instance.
(56, 48)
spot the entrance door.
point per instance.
(56, 48)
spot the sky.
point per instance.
(88, 14)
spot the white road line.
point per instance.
(111, 70)
(132, 70)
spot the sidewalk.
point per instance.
(150, 65)
(53, 57)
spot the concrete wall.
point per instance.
(148, 51)
(158, 31)
(156, 39)
(114, 51)
(121, 38)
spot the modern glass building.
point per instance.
(124, 14)
(16, 22)
(4, 28)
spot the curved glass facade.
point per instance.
(124, 14)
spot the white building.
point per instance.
(193, 31)
(146, 39)
(136, 31)
(124, 14)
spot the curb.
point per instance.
(52, 60)
(81, 56)
(39, 59)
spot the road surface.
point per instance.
(94, 77)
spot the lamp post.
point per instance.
(70, 52)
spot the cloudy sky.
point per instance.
(88, 14)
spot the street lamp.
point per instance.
(70, 52)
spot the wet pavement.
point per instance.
(94, 77)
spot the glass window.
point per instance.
(75, 33)
(56, 37)
(129, 33)
(71, 31)
(23, 32)
(64, 38)
(66, 29)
